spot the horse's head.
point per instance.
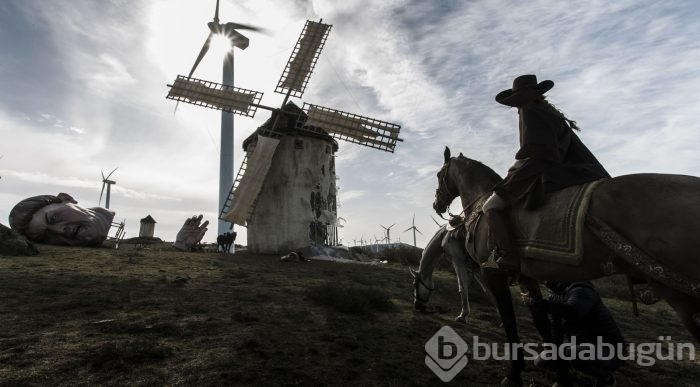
(446, 191)
(421, 291)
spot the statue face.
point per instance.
(69, 224)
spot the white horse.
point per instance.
(445, 243)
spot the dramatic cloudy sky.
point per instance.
(82, 87)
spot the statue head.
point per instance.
(58, 220)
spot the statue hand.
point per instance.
(191, 233)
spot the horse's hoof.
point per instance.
(510, 382)
(461, 319)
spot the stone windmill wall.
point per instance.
(296, 206)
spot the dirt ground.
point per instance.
(76, 316)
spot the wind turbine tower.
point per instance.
(414, 228)
(227, 30)
(108, 183)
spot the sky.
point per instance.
(83, 86)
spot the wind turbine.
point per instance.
(414, 228)
(436, 222)
(227, 30)
(376, 244)
(108, 183)
(388, 229)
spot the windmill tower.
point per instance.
(285, 190)
(388, 229)
(108, 183)
(415, 229)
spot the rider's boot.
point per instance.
(502, 234)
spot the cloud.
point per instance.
(86, 89)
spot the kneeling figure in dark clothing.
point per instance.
(584, 331)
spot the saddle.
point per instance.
(552, 232)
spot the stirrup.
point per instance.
(490, 262)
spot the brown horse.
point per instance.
(644, 225)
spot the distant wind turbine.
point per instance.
(436, 222)
(388, 229)
(414, 228)
(108, 183)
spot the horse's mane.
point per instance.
(488, 172)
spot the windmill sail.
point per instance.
(215, 95)
(303, 59)
(252, 181)
(352, 127)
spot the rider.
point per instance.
(551, 157)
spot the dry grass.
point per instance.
(73, 316)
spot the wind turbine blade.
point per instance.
(103, 174)
(110, 174)
(203, 52)
(101, 192)
(436, 222)
(238, 26)
(392, 225)
(216, 13)
(408, 229)
(418, 231)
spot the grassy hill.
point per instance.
(73, 316)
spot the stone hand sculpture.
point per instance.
(191, 233)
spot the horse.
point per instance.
(442, 244)
(225, 240)
(642, 225)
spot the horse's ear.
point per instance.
(461, 155)
(447, 154)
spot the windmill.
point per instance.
(267, 188)
(388, 229)
(236, 39)
(108, 183)
(415, 229)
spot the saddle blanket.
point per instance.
(554, 231)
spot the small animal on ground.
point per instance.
(225, 241)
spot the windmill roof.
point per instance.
(148, 219)
(287, 125)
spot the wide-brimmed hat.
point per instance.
(525, 89)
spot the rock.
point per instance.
(13, 243)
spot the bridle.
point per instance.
(416, 282)
(442, 183)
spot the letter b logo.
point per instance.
(446, 354)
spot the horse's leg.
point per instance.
(539, 316)
(455, 252)
(463, 282)
(687, 307)
(497, 282)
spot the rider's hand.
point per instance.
(527, 300)
(191, 233)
